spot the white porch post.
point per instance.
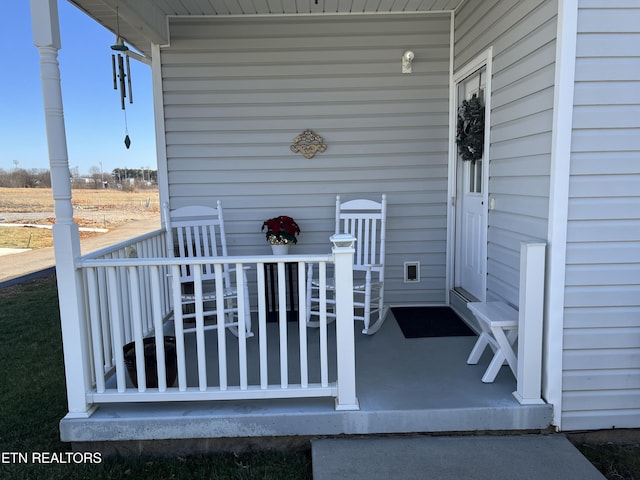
(345, 338)
(530, 320)
(46, 37)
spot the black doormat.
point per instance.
(419, 322)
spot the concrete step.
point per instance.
(509, 457)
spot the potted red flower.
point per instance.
(281, 231)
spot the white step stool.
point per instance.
(499, 324)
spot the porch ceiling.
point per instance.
(143, 22)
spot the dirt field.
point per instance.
(92, 209)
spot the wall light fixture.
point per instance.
(407, 59)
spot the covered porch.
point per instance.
(401, 385)
(225, 120)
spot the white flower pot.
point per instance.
(280, 249)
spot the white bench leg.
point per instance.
(505, 341)
(482, 343)
(503, 355)
(494, 367)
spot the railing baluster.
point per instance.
(146, 287)
(136, 318)
(178, 325)
(125, 304)
(105, 318)
(262, 325)
(96, 337)
(242, 331)
(282, 324)
(200, 343)
(302, 325)
(324, 355)
(156, 313)
(222, 340)
(165, 278)
(114, 303)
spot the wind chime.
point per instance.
(122, 75)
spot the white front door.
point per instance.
(471, 204)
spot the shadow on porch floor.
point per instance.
(403, 386)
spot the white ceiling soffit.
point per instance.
(143, 22)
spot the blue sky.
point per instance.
(95, 123)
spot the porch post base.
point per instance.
(347, 406)
(528, 401)
(86, 414)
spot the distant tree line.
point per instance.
(121, 178)
(138, 174)
(19, 178)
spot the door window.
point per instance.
(475, 176)
(473, 86)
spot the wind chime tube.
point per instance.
(129, 81)
(113, 69)
(122, 84)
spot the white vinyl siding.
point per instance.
(237, 92)
(601, 377)
(523, 38)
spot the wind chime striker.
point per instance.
(122, 75)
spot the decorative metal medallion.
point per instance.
(308, 144)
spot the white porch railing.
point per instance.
(131, 289)
(109, 297)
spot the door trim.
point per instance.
(482, 60)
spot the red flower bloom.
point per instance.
(281, 230)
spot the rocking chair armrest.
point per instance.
(369, 266)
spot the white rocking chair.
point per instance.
(198, 231)
(365, 220)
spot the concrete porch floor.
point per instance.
(404, 386)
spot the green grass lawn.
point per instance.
(32, 402)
